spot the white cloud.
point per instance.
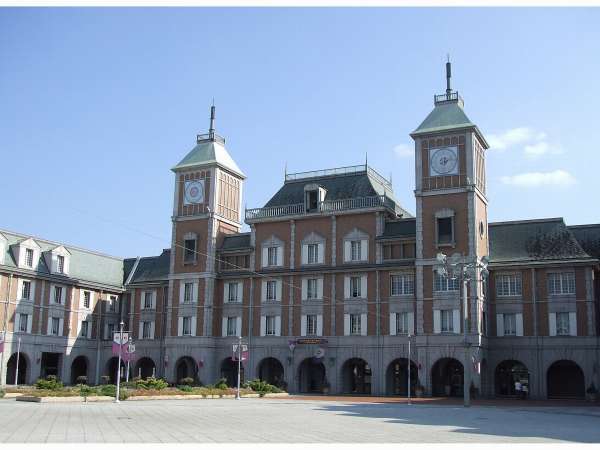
(513, 137)
(541, 148)
(560, 178)
(404, 151)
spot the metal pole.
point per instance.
(18, 357)
(409, 369)
(237, 395)
(467, 367)
(2, 358)
(119, 364)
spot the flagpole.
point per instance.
(237, 396)
(409, 369)
(119, 364)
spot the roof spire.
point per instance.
(448, 76)
(211, 130)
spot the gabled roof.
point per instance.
(85, 265)
(533, 240)
(588, 237)
(398, 229)
(238, 241)
(209, 152)
(150, 268)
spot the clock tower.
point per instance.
(451, 211)
(206, 206)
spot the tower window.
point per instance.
(189, 254)
(445, 232)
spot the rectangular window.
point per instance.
(232, 326)
(58, 294)
(55, 326)
(112, 303)
(146, 329)
(355, 251)
(403, 284)
(562, 324)
(508, 285)
(311, 325)
(272, 256)
(29, 257)
(233, 293)
(60, 263)
(26, 290)
(188, 292)
(446, 316)
(311, 288)
(561, 283)
(313, 253)
(355, 325)
(87, 295)
(110, 330)
(444, 229)
(23, 319)
(402, 323)
(510, 324)
(270, 325)
(443, 284)
(189, 253)
(355, 288)
(312, 200)
(84, 328)
(271, 290)
(187, 326)
(147, 300)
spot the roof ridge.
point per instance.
(74, 247)
(517, 222)
(586, 225)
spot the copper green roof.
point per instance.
(209, 152)
(445, 116)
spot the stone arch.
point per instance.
(271, 370)
(356, 376)
(145, 367)
(111, 369)
(229, 371)
(11, 369)
(507, 373)
(396, 377)
(185, 367)
(447, 378)
(312, 376)
(79, 368)
(565, 379)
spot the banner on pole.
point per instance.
(236, 350)
(117, 342)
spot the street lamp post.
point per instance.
(456, 268)
(239, 371)
(119, 364)
(409, 368)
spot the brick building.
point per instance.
(328, 285)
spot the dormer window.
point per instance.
(60, 264)
(29, 257)
(313, 196)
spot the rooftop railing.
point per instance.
(327, 206)
(451, 97)
(210, 137)
(347, 170)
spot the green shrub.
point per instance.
(86, 391)
(221, 384)
(152, 383)
(51, 383)
(262, 387)
(109, 390)
(185, 388)
(187, 381)
(2, 393)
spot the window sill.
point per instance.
(190, 263)
(446, 244)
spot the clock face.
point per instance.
(443, 161)
(194, 192)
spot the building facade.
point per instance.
(328, 286)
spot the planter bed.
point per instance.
(71, 399)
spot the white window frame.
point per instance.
(55, 320)
(270, 325)
(29, 257)
(271, 294)
(188, 320)
(312, 288)
(87, 330)
(21, 330)
(509, 285)
(355, 324)
(61, 300)
(561, 283)
(312, 253)
(29, 290)
(231, 330)
(447, 321)
(148, 295)
(563, 324)
(146, 330)
(232, 292)
(402, 284)
(510, 324)
(355, 287)
(188, 292)
(445, 284)
(60, 264)
(312, 325)
(89, 300)
(272, 260)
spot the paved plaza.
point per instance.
(293, 420)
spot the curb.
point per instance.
(77, 399)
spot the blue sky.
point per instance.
(98, 104)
